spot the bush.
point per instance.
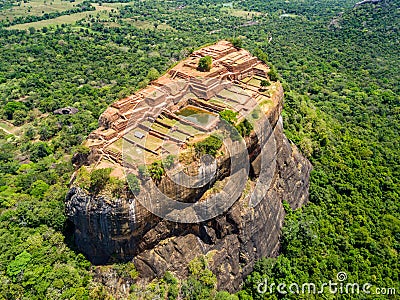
(153, 74)
(229, 116)
(205, 64)
(244, 128)
(265, 83)
(39, 150)
(209, 145)
(19, 264)
(133, 183)
(273, 74)
(237, 42)
(98, 179)
(13, 106)
(156, 171)
(143, 171)
(39, 187)
(169, 161)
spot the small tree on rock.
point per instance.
(98, 179)
(205, 64)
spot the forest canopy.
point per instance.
(339, 66)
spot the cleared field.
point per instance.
(240, 13)
(10, 128)
(116, 146)
(255, 82)
(160, 128)
(101, 11)
(37, 8)
(7, 128)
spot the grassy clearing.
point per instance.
(37, 8)
(10, 128)
(240, 13)
(101, 11)
(255, 82)
(116, 146)
(6, 127)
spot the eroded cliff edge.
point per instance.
(110, 229)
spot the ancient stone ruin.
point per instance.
(161, 120)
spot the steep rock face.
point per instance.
(107, 230)
(242, 235)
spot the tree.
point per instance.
(39, 187)
(273, 74)
(237, 42)
(11, 107)
(39, 150)
(264, 83)
(143, 171)
(169, 161)
(81, 155)
(98, 179)
(18, 264)
(209, 145)
(244, 128)
(30, 132)
(153, 74)
(223, 295)
(156, 171)
(133, 183)
(205, 64)
(229, 116)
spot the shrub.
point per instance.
(244, 128)
(237, 42)
(143, 171)
(205, 64)
(156, 171)
(39, 150)
(98, 179)
(153, 74)
(209, 145)
(39, 187)
(273, 74)
(133, 183)
(18, 264)
(169, 161)
(265, 83)
(13, 106)
(229, 116)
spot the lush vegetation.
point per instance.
(210, 145)
(340, 74)
(243, 128)
(84, 6)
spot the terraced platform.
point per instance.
(182, 105)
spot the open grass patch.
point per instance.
(37, 8)
(101, 12)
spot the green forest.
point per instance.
(339, 66)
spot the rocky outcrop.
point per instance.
(244, 230)
(239, 237)
(66, 111)
(109, 230)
